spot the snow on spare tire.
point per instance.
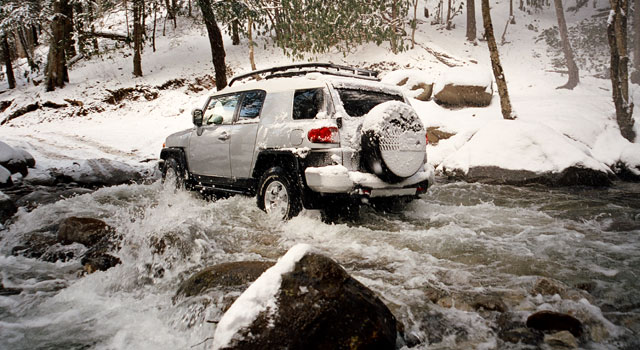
(393, 141)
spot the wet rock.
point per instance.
(319, 306)
(436, 326)
(512, 329)
(223, 275)
(86, 231)
(459, 96)
(546, 286)
(96, 260)
(97, 172)
(100, 257)
(60, 252)
(561, 340)
(548, 321)
(7, 208)
(8, 291)
(48, 196)
(35, 244)
(572, 176)
(489, 303)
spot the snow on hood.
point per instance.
(517, 145)
(260, 296)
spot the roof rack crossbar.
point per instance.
(273, 72)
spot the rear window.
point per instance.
(359, 102)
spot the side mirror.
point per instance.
(197, 116)
(217, 120)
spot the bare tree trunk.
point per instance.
(155, 17)
(235, 33)
(512, 18)
(28, 49)
(617, 35)
(250, 35)
(6, 53)
(69, 44)
(449, 15)
(94, 40)
(56, 74)
(635, 76)
(414, 23)
(394, 27)
(498, 73)
(574, 77)
(471, 20)
(126, 16)
(217, 46)
(137, 37)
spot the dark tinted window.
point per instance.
(359, 102)
(252, 104)
(307, 103)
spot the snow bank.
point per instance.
(611, 148)
(259, 297)
(517, 145)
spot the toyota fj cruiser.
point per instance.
(313, 136)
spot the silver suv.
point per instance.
(315, 136)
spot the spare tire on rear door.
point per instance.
(393, 141)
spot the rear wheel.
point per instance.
(278, 194)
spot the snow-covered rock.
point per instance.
(464, 87)
(15, 160)
(416, 83)
(5, 177)
(518, 152)
(306, 301)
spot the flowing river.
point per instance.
(460, 246)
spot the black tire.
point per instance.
(173, 172)
(279, 194)
(398, 132)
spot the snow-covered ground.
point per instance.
(554, 129)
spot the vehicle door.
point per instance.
(243, 133)
(209, 146)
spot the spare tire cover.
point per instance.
(393, 141)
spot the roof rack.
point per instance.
(303, 68)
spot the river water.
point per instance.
(430, 264)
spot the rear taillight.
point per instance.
(426, 137)
(328, 134)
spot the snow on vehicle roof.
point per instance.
(310, 81)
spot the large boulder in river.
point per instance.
(7, 208)
(86, 231)
(229, 274)
(306, 301)
(551, 321)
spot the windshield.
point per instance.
(359, 102)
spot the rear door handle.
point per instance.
(224, 136)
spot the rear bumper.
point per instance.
(336, 179)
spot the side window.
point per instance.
(220, 110)
(252, 104)
(307, 103)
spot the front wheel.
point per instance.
(173, 174)
(278, 194)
